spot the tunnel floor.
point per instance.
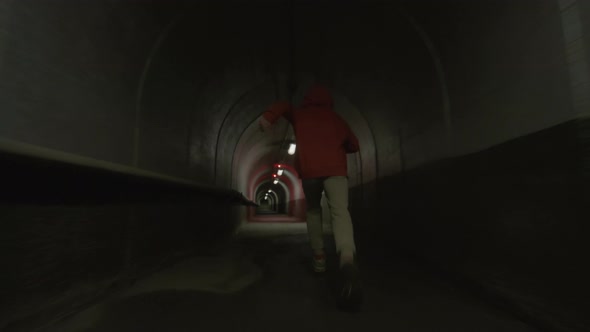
(265, 284)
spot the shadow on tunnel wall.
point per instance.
(509, 223)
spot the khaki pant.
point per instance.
(336, 191)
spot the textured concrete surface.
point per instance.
(73, 234)
(187, 297)
(69, 78)
(510, 221)
(175, 88)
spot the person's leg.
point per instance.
(312, 189)
(336, 189)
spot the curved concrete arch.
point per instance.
(285, 189)
(362, 166)
(241, 112)
(296, 199)
(440, 74)
(250, 158)
(261, 180)
(288, 178)
(223, 98)
(130, 83)
(140, 87)
(273, 195)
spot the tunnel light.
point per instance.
(269, 191)
(275, 181)
(292, 148)
(280, 172)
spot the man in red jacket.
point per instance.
(323, 141)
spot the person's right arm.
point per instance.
(273, 113)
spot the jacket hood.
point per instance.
(318, 96)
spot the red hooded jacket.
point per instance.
(323, 137)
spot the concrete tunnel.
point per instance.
(131, 160)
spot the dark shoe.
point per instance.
(350, 294)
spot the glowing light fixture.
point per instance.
(280, 172)
(275, 181)
(292, 148)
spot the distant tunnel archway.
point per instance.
(272, 199)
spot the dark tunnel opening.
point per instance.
(133, 168)
(272, 199)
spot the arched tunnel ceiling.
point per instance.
(179, 86)
(255, 150)
(175, 86)
(230, 67)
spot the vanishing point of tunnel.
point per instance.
(137, 192)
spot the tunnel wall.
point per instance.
(490, 171)
(380, 71)
(214, 75)
(158, 87)
(70, 73)
(70, 78)
(73, 234)
(503, 209)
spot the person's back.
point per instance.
(320, 142)
(323, 137)
(323, 140)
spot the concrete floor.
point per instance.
(264, 284)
